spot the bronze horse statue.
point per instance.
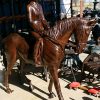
(54, 41)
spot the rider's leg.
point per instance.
(37, 52)
(37, 48)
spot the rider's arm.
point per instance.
(29, 13)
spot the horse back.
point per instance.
(15, 42)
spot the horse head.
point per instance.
(63, 30)
(82, 34)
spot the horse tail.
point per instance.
(25, 59)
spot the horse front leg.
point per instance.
(54, 75)
(51, 95)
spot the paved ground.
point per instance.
(41, 88)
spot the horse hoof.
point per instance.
(9, 91)
(31, 88)
(45, 78)
(52, 95)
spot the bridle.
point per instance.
(79, 45)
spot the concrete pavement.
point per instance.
(21, 92)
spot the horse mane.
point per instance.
(62, 26)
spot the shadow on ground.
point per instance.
(15, 79)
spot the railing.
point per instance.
(9, 18)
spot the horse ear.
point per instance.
(91, 22)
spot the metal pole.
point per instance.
(81, 8)
(71, 6)
(58, 9)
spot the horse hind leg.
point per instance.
(22, 74)
(54, 75)
(7, 73)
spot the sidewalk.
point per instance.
(41, 89)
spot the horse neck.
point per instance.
(63, 30)
(69, 28)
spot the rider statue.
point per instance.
(38, 24)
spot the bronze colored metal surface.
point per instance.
(54, 41)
